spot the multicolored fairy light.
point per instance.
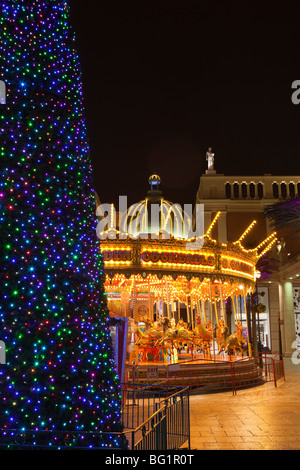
(59, 386)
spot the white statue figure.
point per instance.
(210, 158)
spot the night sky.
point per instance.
(164, 80)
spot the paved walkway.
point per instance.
(260, 418)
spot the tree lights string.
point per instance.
(60, 373)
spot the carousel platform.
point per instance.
(199, 373)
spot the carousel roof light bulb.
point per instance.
(257, 274)
(280, 244)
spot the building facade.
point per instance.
(242, 200)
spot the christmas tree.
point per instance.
(59, 385)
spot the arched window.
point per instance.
(275, 190)
(292, 190)
(228, 190)
(252, 190)
(236, 190)
(260, 190)
(244, 190)
(283, 190)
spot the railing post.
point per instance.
(132, 440)
(167, 426)
(266, 365)
(188, 419)
(274, 372)
(161, 430)
(233, 378)
(282, 364)
(164, 429)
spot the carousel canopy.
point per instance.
(153, 253)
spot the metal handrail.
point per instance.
(159, 428)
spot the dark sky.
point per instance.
(164, 80)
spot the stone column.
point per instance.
(274, 309)
(288, 330)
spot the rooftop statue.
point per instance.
(210, 157)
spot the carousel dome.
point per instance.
(156, 215)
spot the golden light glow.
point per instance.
(213, 223)
(268, 248)
(164, 270)
(237, 266)
(245, 233)
(266, 240)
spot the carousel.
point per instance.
(175, 289)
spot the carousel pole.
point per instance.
(192, 306)
(199, 306)
(202, 308)
(234, 309)
(125, 308)
(134, 299)
(187, 309)
(199, 311)
(192, 310)
(211, 317)
(241, 307)
(238, 308)
(203, 311)
(222, 305)
(160, 303)
(173, 306)
(247, 321)
(149, 301)
(179, 308)
(168, 300)
(216, 311)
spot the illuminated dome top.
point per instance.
(154, 181)
(154, 215)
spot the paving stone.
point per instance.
(259, 418)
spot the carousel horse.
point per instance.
(146, 341)
(222, 335)
(150, 336)
(236, 341)
(204, 337)
(147, 321)
(178, 337)
(153, 338)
